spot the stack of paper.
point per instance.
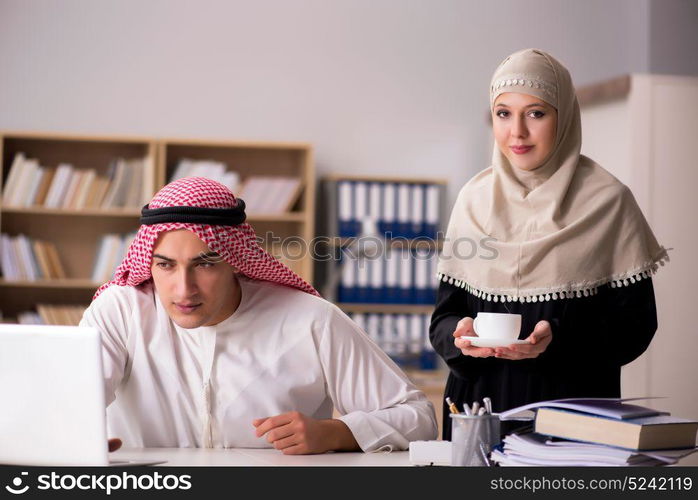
(538, 450)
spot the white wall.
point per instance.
(378, 86)
(673, 37)
(652, 130)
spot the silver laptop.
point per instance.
(52, 393)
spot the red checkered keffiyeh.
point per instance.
(237, 245)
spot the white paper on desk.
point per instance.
(536, 449)
(430, 453)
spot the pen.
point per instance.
(488, 405)
(476, 408)
(451, 406)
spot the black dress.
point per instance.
(592, 338)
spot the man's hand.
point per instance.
(114, 444)
(464, 328)
(296, 434)
(539, 340)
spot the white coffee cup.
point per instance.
(497, 325)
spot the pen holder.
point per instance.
(472, 439)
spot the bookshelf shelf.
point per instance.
(63, 212)
(78, 233)
(77, 284)
(299, 217)
(386, 308)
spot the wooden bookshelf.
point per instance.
(76, 233)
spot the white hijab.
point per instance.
(559, 231)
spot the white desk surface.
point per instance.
(259, 457)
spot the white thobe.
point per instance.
(281, 350)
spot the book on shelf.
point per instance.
(211, 169)
(130, 184)
(13, 175)
(268, 194)
(110, 253)
(59, 186)
(73, 186)
(119, 175)
(96, 194)
(46, 181)
(58, 271)
(609, 421)
(82, 189)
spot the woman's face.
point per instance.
(524, 129)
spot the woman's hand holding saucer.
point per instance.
(464, 328)
(538, 342)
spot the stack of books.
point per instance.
(129, 184)
(596, 431)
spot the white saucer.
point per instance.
(485, 342)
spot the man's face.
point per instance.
(195, 285)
